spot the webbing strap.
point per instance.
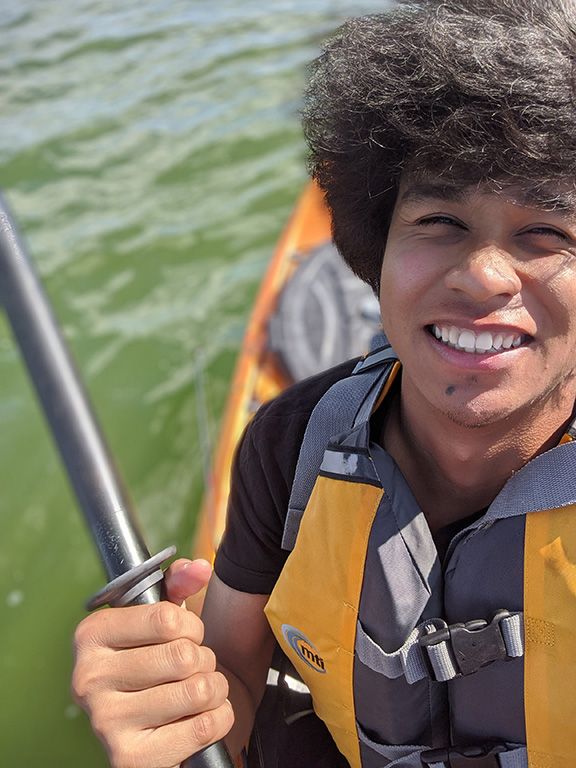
(407, 660)
(405, 755)
(334, 414)
(442, 662)
(410, 756)
(513, 758)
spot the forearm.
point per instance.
(244, 706)
(237, 630)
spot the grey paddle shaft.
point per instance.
(88, 462)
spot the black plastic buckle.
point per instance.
(474, 644)
(465, 757)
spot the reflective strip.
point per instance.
(295, 685)
(349, 464)
(409, 659)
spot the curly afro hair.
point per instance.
(470, 91)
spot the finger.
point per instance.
(141, 668)
(137, 625)
(173, 743)
(168, 703)
(185, 578)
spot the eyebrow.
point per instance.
(541, 197)
(547, 200)
(426, 190)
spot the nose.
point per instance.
(485, 272)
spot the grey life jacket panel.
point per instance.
(392, 603)
(486, 571)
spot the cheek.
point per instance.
(552, 303)
(405, 278)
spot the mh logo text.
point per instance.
(304, 648)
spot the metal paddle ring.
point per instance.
(125, 588)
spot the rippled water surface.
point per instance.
(151, 153)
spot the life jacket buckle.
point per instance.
(485, 756)
(471, 645)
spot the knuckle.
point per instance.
(120, 754)
(124, 751)
(227, 718)
(223, 685)
(212, 725)
(184, 656)
(123, 747)
(166, 620)
(87, 680)
(208, 659)
(205, 728)
(102, 725)
(200, 690)
(84, 634)
(205, 691)
(80, 687)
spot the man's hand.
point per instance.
(151, 689)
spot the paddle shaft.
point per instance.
(87, 460)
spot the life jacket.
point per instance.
(466, 664)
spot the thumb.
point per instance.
(185, 578)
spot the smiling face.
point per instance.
(478, 299)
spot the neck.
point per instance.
(455, 470)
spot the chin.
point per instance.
(475, 414)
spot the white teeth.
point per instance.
(508, 341)
(497, 340)
(468, 341)
(484, 341)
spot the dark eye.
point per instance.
(547, 232)
(440, 219)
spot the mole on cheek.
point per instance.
(450, 390)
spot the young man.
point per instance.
(427, 593)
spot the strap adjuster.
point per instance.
(472, 645)
(465, 757)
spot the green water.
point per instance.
(151, 153)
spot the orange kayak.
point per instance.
(311, 312)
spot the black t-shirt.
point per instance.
(250, 557)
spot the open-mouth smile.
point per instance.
(481, 343)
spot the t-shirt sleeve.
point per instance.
(250, 556)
